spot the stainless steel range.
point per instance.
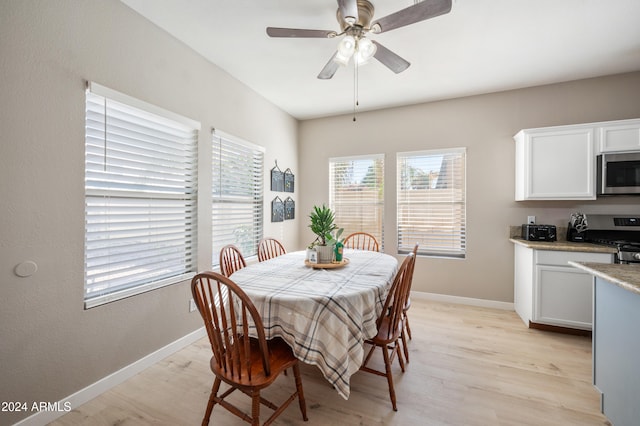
(620, 231)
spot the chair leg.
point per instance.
(387, 367)
(301, 400)
(406, 323)
(368, 357)
(397, 350)
(405, 348)
(211, 403)
(255, 408)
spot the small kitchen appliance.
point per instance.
(618, 173)
(531, 232)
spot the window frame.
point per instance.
(257, 204)
(131, 189)
(456, 239)
(379, 205)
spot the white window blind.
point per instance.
(140, 196)
(237, 210)
(432, 202)
(356, 194)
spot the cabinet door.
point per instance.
(556, 164)
(622, 136)
(563, 297)
(523, 283)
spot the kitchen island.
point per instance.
(616, 340)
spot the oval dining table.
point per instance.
(325, 315)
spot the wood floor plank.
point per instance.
(469, 366)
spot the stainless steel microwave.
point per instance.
(619, 173)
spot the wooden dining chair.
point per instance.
(231, 260)
(361, 241)
(268, 248)
(390, 325)
(245, 363)
(407, 330)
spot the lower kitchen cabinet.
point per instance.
(550, 292)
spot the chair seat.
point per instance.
(281, 356)
(385, 334)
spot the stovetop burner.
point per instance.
(619, 231)
(620, 244)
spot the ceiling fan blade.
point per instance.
(418, 12)
(349, 10)
(391, 60)
(329, 70)
(294, 32)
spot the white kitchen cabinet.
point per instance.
(619, 136)
(548, 291)
(556, 163)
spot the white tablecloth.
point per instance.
(323, 314)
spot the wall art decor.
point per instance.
(277, 210)
(289, 209)
(277, 179)
(289, 180)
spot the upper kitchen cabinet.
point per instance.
(617, 136)
(556, 163)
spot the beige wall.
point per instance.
(50, 347)
(484, 125)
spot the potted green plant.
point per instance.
(327, 232)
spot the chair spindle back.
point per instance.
(229, 316)
(362, 241)
(231, 260)
(269, 248)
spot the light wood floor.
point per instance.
(469, 366)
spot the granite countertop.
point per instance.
(624, 276)
(563, 245)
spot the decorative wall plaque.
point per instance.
(277, 179)
(289, 181)
(277, 210)
(289, 209)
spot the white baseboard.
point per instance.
(484, 303)
(93, 390)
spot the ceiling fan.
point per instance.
(355, 20)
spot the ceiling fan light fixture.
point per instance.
(365, 51)
(347, 46)
(346, 49)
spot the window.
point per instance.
(140, 196)
(237, 195)
(431, 202)
(356, 194)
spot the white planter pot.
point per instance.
(325, 254)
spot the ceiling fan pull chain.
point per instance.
(355, 88)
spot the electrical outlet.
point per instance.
(192, 305)
(531, 220)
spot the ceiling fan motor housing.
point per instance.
(365, 15)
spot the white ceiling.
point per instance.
(481, 46)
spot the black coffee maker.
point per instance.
(577, 227)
